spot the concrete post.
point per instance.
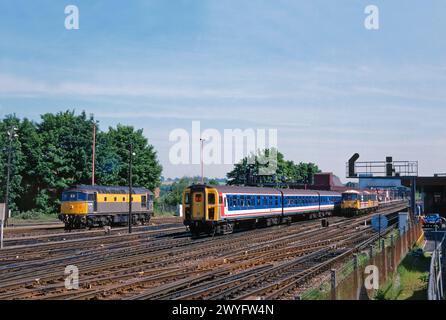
(333, 284)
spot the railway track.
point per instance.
(42, 230)
(170, 265)
(65, 236)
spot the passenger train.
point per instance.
(89, 206)
(219, 209)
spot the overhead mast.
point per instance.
(94, 155)
(201, 160)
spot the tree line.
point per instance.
(246, 172)
(56, 152)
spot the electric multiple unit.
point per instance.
(218, 209)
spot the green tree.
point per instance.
(17, 161)
(31, 149)
(55, 153)
(66, 155)
(247, 171)
(172, 195)
(115, 158)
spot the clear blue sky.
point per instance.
(308, 68)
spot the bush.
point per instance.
(33, 215)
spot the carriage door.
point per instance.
(95, 202)
(212, 204)
(90, 202)
(198, 205)
(144, 202)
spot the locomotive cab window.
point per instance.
(69, 196)
(349, 196)
(211, 198)
(187, 198)
(144, 201)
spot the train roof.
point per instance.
(267, 190)
(238, 189)
(352, 191)
(108, 189)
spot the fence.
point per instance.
(435, 288)
(347, 281)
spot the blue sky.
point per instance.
(307, 68)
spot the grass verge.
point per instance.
(411, 280)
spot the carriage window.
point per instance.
(187, 198)
(242, 202)
(258, 200)
(277, 201)
(211, 198)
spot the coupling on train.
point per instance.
(220, 209)
(96, 206)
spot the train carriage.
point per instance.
(89, 206)
(218, 209)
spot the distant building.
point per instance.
(323, 181)
(432, 191)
